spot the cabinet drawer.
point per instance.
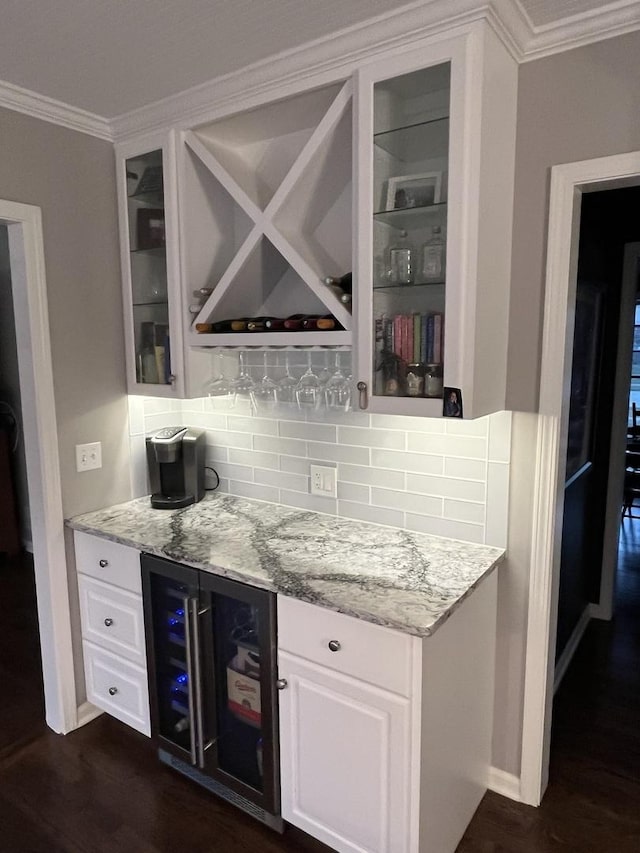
(108, 561)
(112, 618)
(369, 652)
(117, 686)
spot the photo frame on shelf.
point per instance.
(421, 190)
(150, 228)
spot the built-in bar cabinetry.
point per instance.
(401, 171)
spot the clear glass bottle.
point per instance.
(433, 256)
(402, 260)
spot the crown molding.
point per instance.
(48, 109)
(324, 61)
(615, 19)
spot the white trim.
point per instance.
(506, 784)
(567, 183)
(26, 252)
(562, 664)
(39, 106)
(88, 712)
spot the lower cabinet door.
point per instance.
(345, 759)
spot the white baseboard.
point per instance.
(574, 640)
(507, 784)
(27, 544)
(596, 611)
(87, 712)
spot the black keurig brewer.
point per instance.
(176, 460)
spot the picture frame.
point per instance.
(150, 228)
(421, 190)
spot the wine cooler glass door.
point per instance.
(242, 748)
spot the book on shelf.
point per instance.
(413, 338)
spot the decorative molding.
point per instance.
(562, 664)
(48, 109)
(615, 19)
(506, 784)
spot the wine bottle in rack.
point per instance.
(342, 287)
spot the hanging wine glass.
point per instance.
(308, 390)
(325, 373)
(242, 386)
(217, 386)
(286, 387)
(337, 391)
(264, 394)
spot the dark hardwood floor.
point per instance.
(101, 789)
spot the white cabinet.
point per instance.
(111, 615)
(435, 147)
(385, 739)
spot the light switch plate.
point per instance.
(323, 481)
(88, 456)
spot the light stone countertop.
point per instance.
(411, 582)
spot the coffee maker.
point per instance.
(176, 460)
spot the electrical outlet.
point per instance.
(88, 456)
(323, 481)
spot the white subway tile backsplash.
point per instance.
(448, 445)
(377, 515)
(308, 431)
(371, 476)
(286, 446)
(407, 501)
(353, 492)
(315, 503)
(258, 426)
(445, 527)
(282, 480)
(254, 490)
(464, 511)
(446, 488)
(339, 453)
(425, 474)
(400, 461)
(253, 457)
(372, 437)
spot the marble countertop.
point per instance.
(408, 581)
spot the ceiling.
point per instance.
(112, 56)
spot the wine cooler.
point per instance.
(211, 652)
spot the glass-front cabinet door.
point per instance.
(149, 252)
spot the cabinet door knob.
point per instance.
(103, 563)
(281, 683)
(363, 399)
(334, 645)
(108, 621)
(113, 691)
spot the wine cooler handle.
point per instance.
(197, 679)
(363, 399)
(186, 606)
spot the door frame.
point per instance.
(568, 182)
(31, 315)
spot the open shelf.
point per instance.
(266, 340)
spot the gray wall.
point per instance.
(71, 177)
(577, 105)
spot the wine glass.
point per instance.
(325, 373)
(217, 386)
(308, 388)
(337, 391)
(242, 386)
(286, 387)
(264, 394)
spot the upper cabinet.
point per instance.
(435, 137)
(401, 172)
(149, 252)
(266, 216)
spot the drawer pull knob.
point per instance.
(103, 564)
(281, 683)
(108, 622)
(113, 691)
(334, 645)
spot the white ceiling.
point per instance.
(112, 56)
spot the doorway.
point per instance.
(26, 260)
(568, 184)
